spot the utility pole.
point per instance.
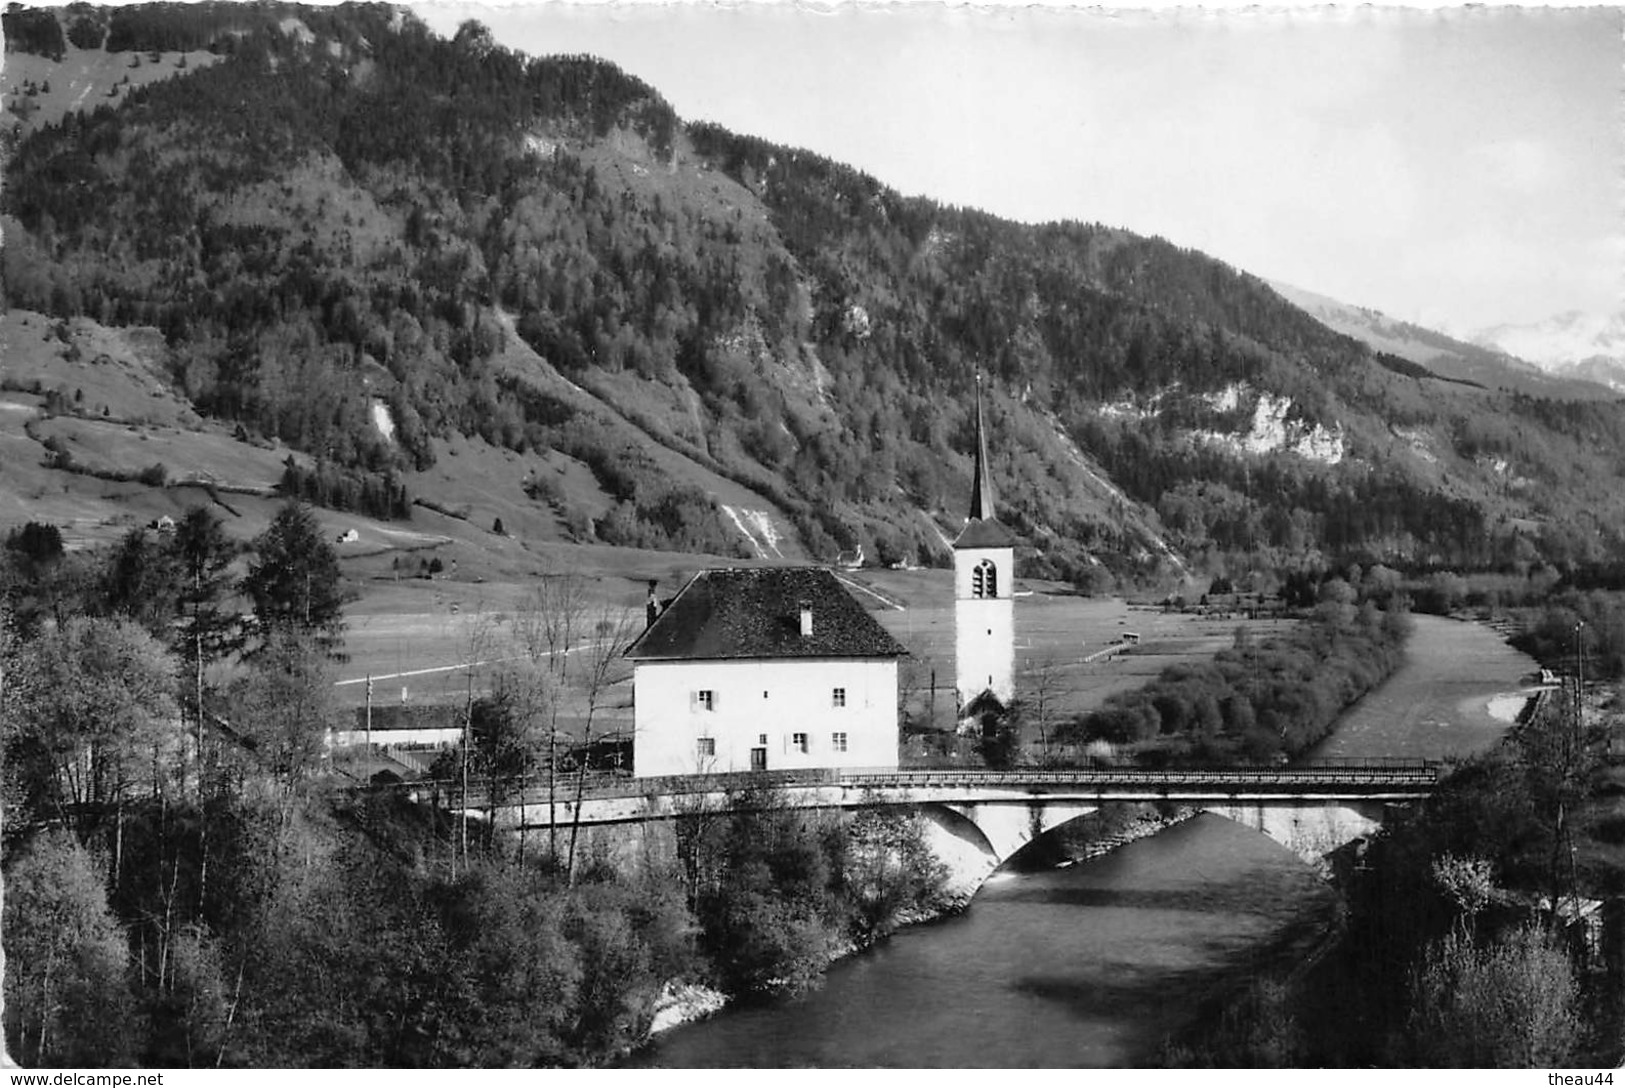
(933, 696)
(468, 733)
(5, 1055)
(1580, 673)
(197, 693)
(369, 716)
(1569, 743)
(1578, 740)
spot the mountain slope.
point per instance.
(674, 336)
(1481, 362)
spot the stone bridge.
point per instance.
(1311, 810)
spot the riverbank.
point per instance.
(686, 1003)
(683, 1003)
(1456, 694)
(1449, 699)
(968, 870)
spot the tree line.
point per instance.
(1261, 700)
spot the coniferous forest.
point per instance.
(356, 210)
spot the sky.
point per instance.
(1456, 167)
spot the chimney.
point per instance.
(806, 619)
(651, 607)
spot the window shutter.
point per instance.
(693, 701)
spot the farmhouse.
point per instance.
(774, 668)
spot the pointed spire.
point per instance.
(981, 499)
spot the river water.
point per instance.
(1095, 964)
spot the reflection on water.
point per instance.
(1090, 965)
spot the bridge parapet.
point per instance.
(1355, 778)
(625, 800)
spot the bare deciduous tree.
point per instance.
(546, 624)
(603, 664)
(1045, 686)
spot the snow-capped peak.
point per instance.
(1561, 342)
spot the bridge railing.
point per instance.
(1320, 776)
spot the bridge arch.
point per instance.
(1310, 828)
(1007, 826)
(959, 843)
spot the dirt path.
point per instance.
(1458, 692)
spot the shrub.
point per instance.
(1511, 1004)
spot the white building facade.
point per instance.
(703, 717)
(984, 623)
(984, 592)
(764, 669)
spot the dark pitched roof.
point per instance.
(986, 533)
(984, 529)
(981, 496)
(756, 613)
(388, 716)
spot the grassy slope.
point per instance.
(399, 623)
(634, 416)
(472, 479)
(84, 79)
(145, 421)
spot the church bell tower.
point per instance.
(984, 574)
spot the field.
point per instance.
(85, 79)
(414, 636)
(102, 446)
(1056, 631)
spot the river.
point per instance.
(1095, 964)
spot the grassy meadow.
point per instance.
(414, 637)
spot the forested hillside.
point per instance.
(348, 218)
